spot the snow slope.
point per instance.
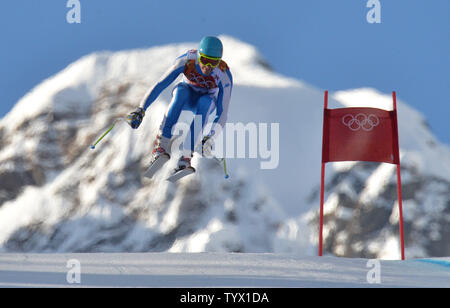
(56, 195)
(205, 270)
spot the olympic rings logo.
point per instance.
(201, 81)
(360, 121)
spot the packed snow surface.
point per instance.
(198, 270)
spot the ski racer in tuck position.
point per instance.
(206, 86)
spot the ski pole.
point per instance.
(109, 129)
(224, 164)
(219, 161)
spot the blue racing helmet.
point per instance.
(211, 46)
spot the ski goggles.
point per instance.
(209, 61)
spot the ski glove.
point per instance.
(207, 144)
(135, 118)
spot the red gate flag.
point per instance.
(360, 134)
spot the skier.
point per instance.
(206, 86)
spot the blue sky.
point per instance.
(326, 43)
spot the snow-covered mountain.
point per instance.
(57, 195)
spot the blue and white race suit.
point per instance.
(199, 93)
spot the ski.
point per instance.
(156, 165)
(179, 174)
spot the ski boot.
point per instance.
(184, 168)
(159, 156)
